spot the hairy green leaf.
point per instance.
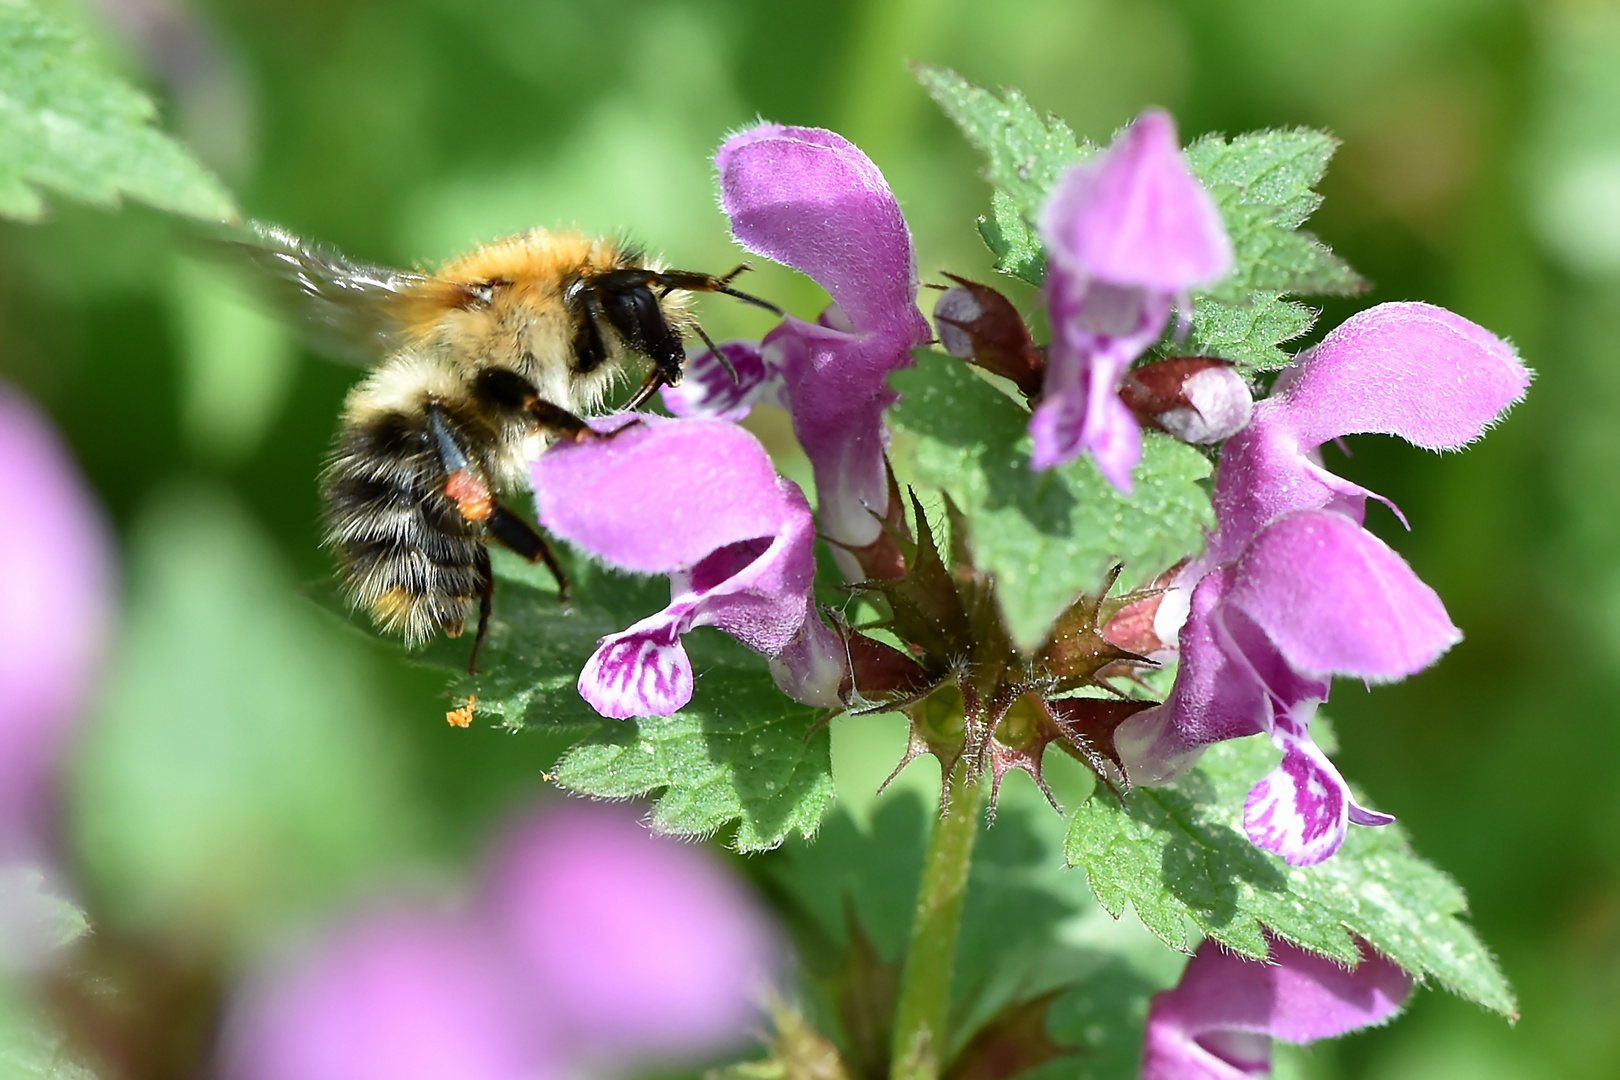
(1045, 536)
(1263, 183)
(67, 126)
(1178, 855)
(741, 751)
(1018, 250)
(1027, 151)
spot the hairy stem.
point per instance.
(920, 1033)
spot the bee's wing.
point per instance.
(348, 310)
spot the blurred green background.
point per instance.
(251, 763)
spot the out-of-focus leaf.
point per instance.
(241, 769)
(30, 1049)
(1047, 536)
(67, 126)
(1178, 856)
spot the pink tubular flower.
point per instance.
(808, 199)
(1292, 590)
(595, 947)
(55, 601)
(1126, 234)
(700, 501)
(1219, 1020)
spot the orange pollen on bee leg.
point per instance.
(463, 716)
(470, 495)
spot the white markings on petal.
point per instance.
(637, 674)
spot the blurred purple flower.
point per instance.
(698, 500)
(1219, 1020)
(1292, 590)
(1126, 233)
(57, 564)
(595, 947)
(648, 950)
(809, 199)
(395, 995)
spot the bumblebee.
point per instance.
(483, 364)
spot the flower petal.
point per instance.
(1134, 215)
(660, 494)
(640, 948)
(1300, 810)
(1217, 1021)
(809, 199)
(837, 395)
(709, 390)
(57, 566)
(1334, 599)
(1413, 370)
(642, 672)
(401, 996)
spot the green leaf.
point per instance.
(741, 751)
(1178, 855)
(1018, 250)
(1263, 184)
(67, 126)
(1027, 151)
(30, 1046)
(1029, 927)
(1046, 536)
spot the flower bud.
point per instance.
(977, 324)
(1197, 399)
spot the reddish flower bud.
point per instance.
(977, 324)
(1198, 399)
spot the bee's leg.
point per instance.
(513, 533)
(486, 599)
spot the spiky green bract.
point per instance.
(69, 127)
(1179, 857)
(740, 752)
(1045, 537)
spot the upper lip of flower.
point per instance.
(1126, 233)
(809, 199)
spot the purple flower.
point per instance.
(809, 199)
(1126, 233)
(700, 501)
(1219, 1020)
(1292, 590)
(594, 947)
(55, 604)
(648, 950)
(395, 995)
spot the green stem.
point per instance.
(920, 1032)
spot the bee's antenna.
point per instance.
(718, 355)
